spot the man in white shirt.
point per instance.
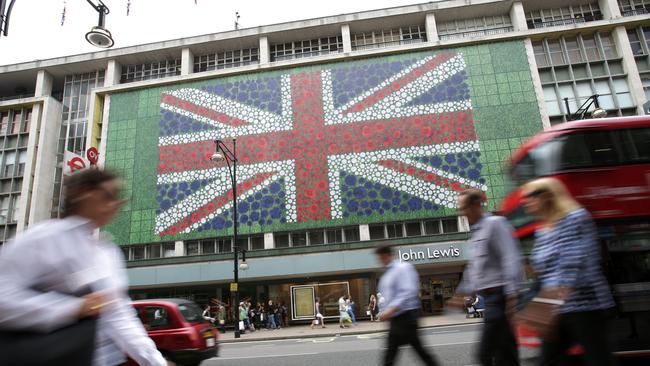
(63, 256)
(343, 311)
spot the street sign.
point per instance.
(233, 287)
(73, 162)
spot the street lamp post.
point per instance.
(223, 153)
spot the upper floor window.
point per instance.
(563, 16)
(388, 37)
(572, 50)
(634, 7)
(307, 48)
(474, 27)
(226, 59)
(414, 228)
(152, 70)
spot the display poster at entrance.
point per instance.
(303, 302)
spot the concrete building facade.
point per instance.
(353, 130)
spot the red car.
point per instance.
(177, 326)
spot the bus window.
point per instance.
(636, 145)
(541, 161)
(588, 149)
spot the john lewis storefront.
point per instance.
(297, 280)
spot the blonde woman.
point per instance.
(566, 259)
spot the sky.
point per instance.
(36, 33)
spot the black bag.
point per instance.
(71, 346)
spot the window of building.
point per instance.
(563, 16)
(432, 227)
(224, 245)
(316, 237)
(242, 242)
(351, 234)
(609, 48)
(635, 42)
(22, 160)
(450, 225)
(334, 236)
(9, 164)
(208, 246)
(388, 37)
(257, 242)
(474, 27)
(226, 59)
(4, 209)
(555, 52)
(541, 56)
(4, 122)
(169, 250)
(152, 70)
(15, 124)
(395, 230)
(377, 232)
(413, 228)
(591, 49)
(573, 49)
(192, 248)
(28, 120)
(138, 252)
(281, 240)
(306, 48)
(299, 239)
(155, 251)
(634, 7)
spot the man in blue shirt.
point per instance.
(494, 272)
(400, 285)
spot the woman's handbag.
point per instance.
(542, 313)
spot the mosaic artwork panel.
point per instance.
(383, 139)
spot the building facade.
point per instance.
(352, 131)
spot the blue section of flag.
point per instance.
(173, 123)
(362, 197)
(449, 90)
(463, 164)
(263, 93)
(350, 82)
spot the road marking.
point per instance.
(370, 336)
(264, 356)
(444, 344)
(316, 340)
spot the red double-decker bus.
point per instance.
(605, 164)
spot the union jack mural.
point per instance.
(390, 137)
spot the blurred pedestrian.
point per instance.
(566, 259)
(349, 306)
(271, 317)
(372, 307)
(319, 319)
(400, 284)
(207, 315)
(343, 312)
(380, 302)
(43, 269)
(494, 272)
(221, 316)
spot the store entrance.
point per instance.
(436, 290)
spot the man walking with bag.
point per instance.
(400, 285)
(494, 272)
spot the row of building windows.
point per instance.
(563, 16)
(226, 59)
(475, 27)
(639, 40)
(295, 239)
(307, 48)
(9, 208)
(634, 7)
(388, 37)
(152, 70)
(15, 121)
(572, 50)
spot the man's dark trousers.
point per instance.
(404, 330)
(498, 345)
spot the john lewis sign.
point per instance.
(432, 253)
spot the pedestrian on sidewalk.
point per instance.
(380, 302)
(207, 315)
(343, 312)
(221, 316)
(319, 318)
(283, 314)
(372, 308)
(349, 305)
(59, 279)
(495, 273)
(271, 317)
(401, 286)
(566, 258)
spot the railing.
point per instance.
(387, 44)
(303, 54)
(633, 12)
(476, 33)
(561, 22)
(228, 65)
(17, 96)
(150, 76)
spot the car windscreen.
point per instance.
(191, 312)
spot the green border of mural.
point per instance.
(504, 108)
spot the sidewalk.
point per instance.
(332, 329)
